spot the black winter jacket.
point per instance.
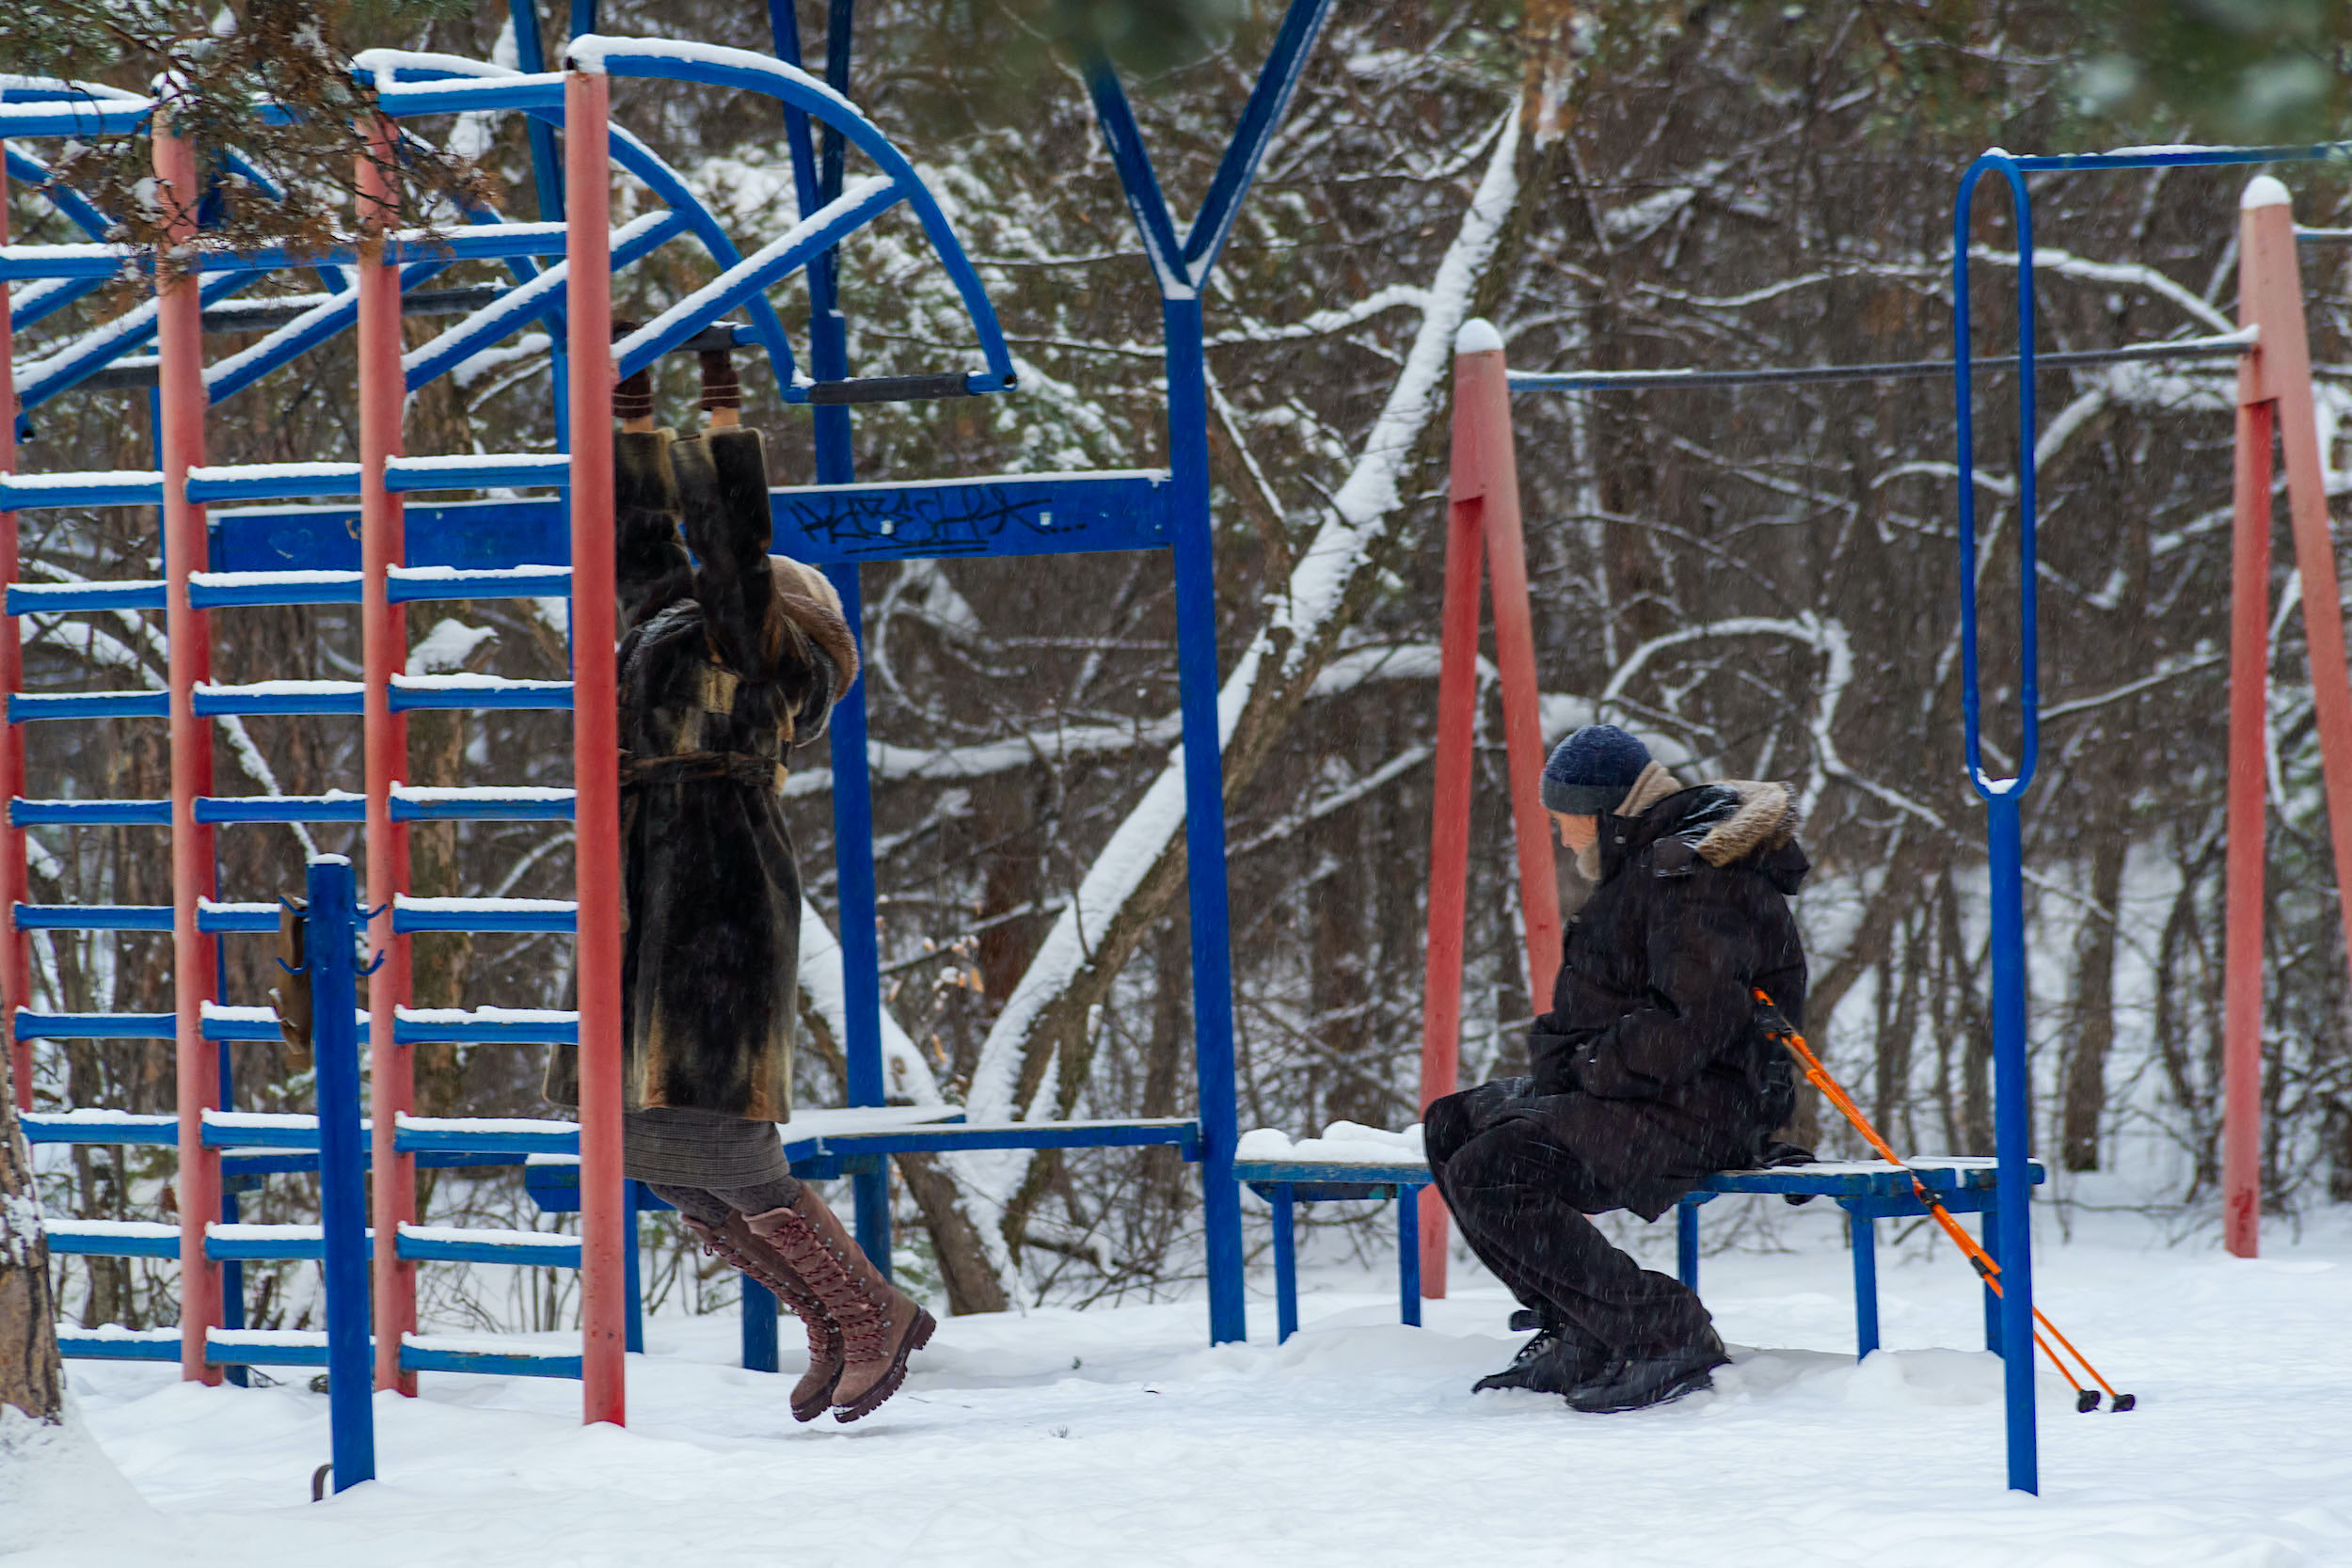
(1650, 1059)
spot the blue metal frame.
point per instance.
(2012, 1086)
(333, 918)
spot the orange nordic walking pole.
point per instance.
(1776, 1024)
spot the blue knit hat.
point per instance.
(1590, 771)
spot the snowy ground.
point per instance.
(1115, 1436)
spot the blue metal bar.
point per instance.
(80, 117)
(65, 814)
(1141, 187)
(126, 487)
(223, 589)
(412, 916)
(274, 482)
(26, 598)
(1988, 1237)
(31, 1025)
(427, 1358)
(760, 1353)
(334, 922)
(517, 808)
(1278, 79)
(1284, 1199)
(487, 1032)
(1687, 1244)
(484, 699)
(221, 702)
(93, 917)
(76, 207)
(1863, 1232)
(1408, 1255)
(2013, 1086)
(563, 1253)
(27, 707)
(279, 808)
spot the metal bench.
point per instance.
(1867, 1191)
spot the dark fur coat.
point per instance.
(730, 659)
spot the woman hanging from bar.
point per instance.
(730, 656)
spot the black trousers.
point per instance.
(1521, 1198)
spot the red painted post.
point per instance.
(180, 377)
(595, 743)
(1481, 520)
(2242, 962)
(16, 966)
(1481, 384)
(384, 651)
(2276, 372)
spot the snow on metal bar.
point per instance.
(93, 260)
(25, 708)
(477, 694)
(216, 589)
(528, 1136)
(336, 806)
(450, 1244)
(96, 487)
(471, 94)
(1181, 1131)
(270, 481)
(420, 1353)
(820, 231)
(113, 1342)
(418, 584)
(543, 295)
(484, 1026)
(100, 1128)
(112, 814)
(112, 1238)
(263, 1347)
(31, 1025)
(93, 917)
(39, 380)
(264, 1244)
(483, 915)
(992, 514)
(26, 598)
(480, 471)
(419, 803)
(77, 118)
(217, 919)
(215, 701)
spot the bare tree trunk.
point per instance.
(2094, 1001)
(31, 1376)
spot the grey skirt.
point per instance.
(681, 1148)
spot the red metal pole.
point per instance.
(595, 743)
(2242, 964)
(1480, 383)
(16, 962)
(384, 650)
(2270, 289)
(180, 375)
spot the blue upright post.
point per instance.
(1204, 812)
(546, 168)
(1687, 1244)
(2012, 1119)
(1863, 1232)
(334, 925)
(1988, 1237)
(2012, 1097)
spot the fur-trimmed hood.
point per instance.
(804, 597)
(1761, 816)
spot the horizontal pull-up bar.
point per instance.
(2225, 346)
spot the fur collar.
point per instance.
(1765, 818)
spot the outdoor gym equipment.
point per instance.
(537, 547)
(2272, 353)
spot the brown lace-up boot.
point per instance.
(881, 1326)
(743, 1251)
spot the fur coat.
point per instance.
(730, 656)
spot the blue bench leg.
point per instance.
(1285, 1266)
(1988, 1236)
(1408, 1255)
(759, 1327)
(1687, 1244)
(1865, 1283)
(633, 1283)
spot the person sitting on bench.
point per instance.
(1650, 1071)
(730, 659)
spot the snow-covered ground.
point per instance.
(1115, 1436)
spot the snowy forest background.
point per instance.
(1762, 581)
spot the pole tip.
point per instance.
(1478, 336)
(2263, 190)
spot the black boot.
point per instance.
(1550, 1363)
(1638, 1382)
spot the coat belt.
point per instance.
(743, 768)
